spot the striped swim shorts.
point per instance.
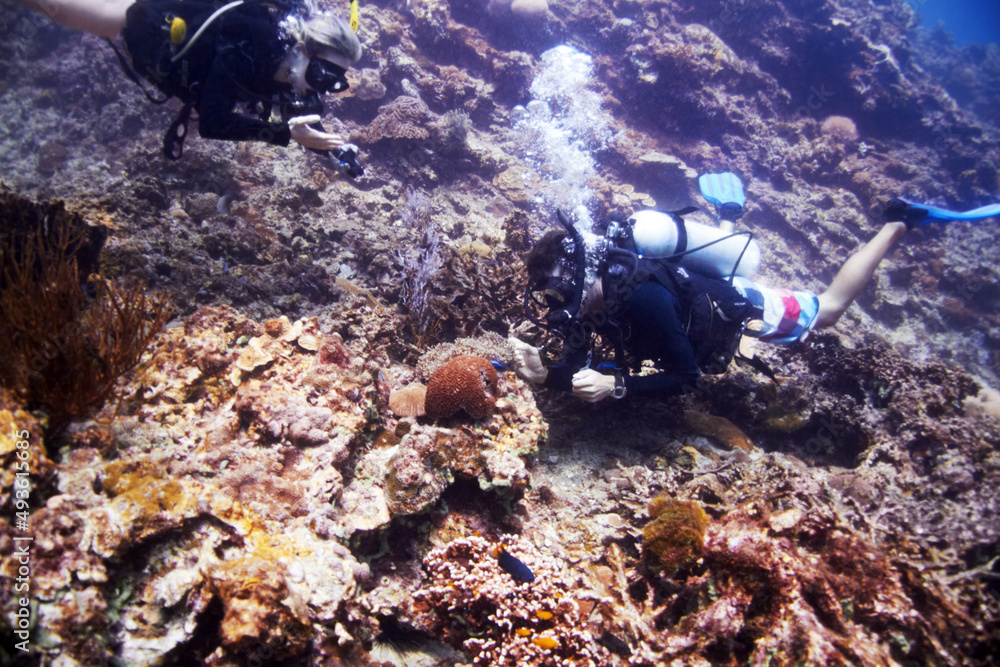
(786, 316)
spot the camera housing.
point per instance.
(345, 160)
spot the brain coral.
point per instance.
(403, 118)
(464, 383)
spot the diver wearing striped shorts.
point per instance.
(785, 316)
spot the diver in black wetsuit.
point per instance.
(656, 311)
(262, 54)
(646, 324)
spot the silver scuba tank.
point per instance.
(706, 250)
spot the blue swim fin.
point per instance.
(725, 191)
(918, 215)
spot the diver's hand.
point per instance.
(528, 361)
(592, 386)
(313, 138)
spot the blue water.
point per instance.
(970, 21)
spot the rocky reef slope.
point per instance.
(249, 497)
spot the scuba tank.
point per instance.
(703, 249)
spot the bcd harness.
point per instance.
(713, 313)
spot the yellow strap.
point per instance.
(354, 15)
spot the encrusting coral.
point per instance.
(417, 473)
(465, 383)
(675, 532)
(230, 539)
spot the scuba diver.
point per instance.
(678, 294)
(259, 54)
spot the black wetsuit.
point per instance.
(649, 328)
(232, 63)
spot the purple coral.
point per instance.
(419, 263)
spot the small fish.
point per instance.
(514, 567)
(499, 365)
(614, 644)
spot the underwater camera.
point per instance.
(345, 160)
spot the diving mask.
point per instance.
(548, 300)
(326, 77)
(559, 294)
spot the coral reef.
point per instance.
(233, 541)
(469, 600)
(803, 587)
(415, 466)
(256, 498)
(464, 383)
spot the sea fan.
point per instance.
(65, 350)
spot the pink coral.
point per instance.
(840, 128)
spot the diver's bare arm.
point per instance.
(105, 18)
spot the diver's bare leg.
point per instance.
(855, 275)
(105, 18)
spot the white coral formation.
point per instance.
(490, 345)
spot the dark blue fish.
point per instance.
(615, 645)
(499, 365)
(515, 568)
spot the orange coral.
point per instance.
(464, 383)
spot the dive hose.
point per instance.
(216, 14)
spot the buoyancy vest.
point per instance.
(174, 44)
(712, 312)
(152, 39)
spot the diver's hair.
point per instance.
(545, 255)
(326, 31)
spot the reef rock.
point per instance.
(410, 474)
